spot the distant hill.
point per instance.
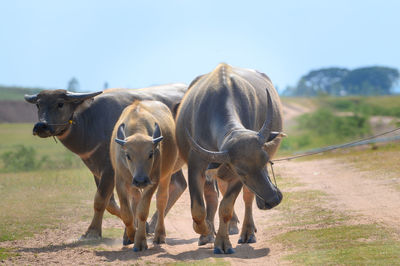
(16, 93)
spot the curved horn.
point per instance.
(265, 130)
(120, 139)
(30, 98)
(121, 132)
(211, 156)
(78, 97)
(157, 137)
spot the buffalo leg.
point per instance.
(162, 198)
(196, 169)
(176, 187)
(142, 213)
(233, 223)
(222, 243)
(113, 207)
(101, 200)
(211, 197)
(248, 227)
(127, 214)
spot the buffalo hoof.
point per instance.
(206, 239)
(160, 239)
(90, 235)
(220, 251)
(135, 249)
(127, 242)
(251, 239)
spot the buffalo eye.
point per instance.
(128, 157)
(60, 105)
(151, 155)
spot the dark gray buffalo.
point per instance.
(230, 119)
(84, 125)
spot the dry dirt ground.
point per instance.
(371, 199)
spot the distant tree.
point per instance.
(73, 85)
(341, 81)
(371, 80)
(322, 81)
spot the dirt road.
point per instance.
(351, 190)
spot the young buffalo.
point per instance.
(143, 153)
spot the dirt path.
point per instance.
(349, 189)
(363, 195)
(60, 245)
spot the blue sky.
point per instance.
(45, 43)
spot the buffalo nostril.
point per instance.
(141, 181)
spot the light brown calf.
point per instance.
(143, 153)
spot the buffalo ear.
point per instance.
(121, 132)
(157, 137)
(31, 98)
(275, 134)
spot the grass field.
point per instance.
(16, 93)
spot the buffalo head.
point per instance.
(245, 151)
(140, 151)
(55, 110)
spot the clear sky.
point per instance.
(45, 43)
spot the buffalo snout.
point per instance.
(141, 181)
(271, 202)
(42, 129)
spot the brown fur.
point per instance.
(140, 119)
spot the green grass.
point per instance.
(15, 134)
(33, 201)
(316, 235)
(16, 93)
(47, 153)
(349, 245)
(6, 253)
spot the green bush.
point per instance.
(323, 128)
(23, 158)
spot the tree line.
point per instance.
(375, 80)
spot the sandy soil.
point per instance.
(359, 192)
(60, 245)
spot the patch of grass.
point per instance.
(16, 93)
(21, 151)
(350, 245)
(306, 208)
(33, 201)
(6, 253)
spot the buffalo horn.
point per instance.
(157, 137)
(30, 98)
(211, 156)
(265, 131)
(78, 97)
